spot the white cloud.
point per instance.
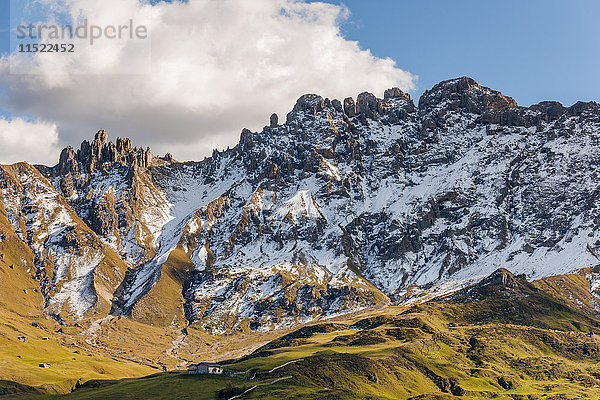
(34, 142)
(216, 66)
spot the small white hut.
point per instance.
(205, 368)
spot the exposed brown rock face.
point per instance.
(349, 107)
(501, 277)
(367, 105)
(104, 219)
(94, 156)
(395, 93)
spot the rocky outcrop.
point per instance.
(367, 105)
(102, 153)
(395, 93)
(274, 121)
(465, 93)
(502, 278)
(349, 107)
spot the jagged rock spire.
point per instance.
(103, 153)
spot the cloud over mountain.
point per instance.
(216, 66)
(22, 140)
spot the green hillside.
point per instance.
(504, 338)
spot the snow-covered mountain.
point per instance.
(346, 205)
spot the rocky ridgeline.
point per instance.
(75, 167)
(345, 205)
(103, 154)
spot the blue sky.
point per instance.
(532, 50)
(4, 25)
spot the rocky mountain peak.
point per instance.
(100, 138)
(366, 106)
(395, 93)
(102, 154)
(311, 103)
(465, 93)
